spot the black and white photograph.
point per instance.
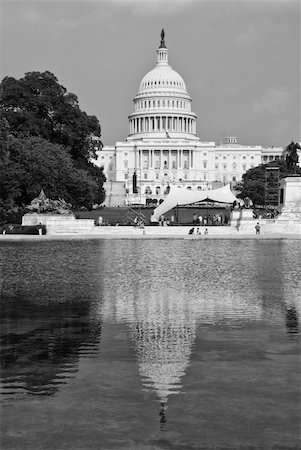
(150, 225)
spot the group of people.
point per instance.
(215, 219)
(197, 231)
(165, 222)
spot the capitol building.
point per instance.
(163, 148)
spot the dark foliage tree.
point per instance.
(46, 141)
(253, 181)
(34, 164)
(37, 105)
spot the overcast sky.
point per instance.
(240, 59)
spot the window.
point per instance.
(205, 154)
(225, 166)
(125, 163)
(185, 164)
(125, 176)
(224, 157)
(189, 188)
(205, 176)
(185, 176)
(148, 190)
(244, 157)
(252, 157)
(205, 164)
(216, 157)
(244, 167)
(145, 175)
(157, 175)
(216, 166)
(158, 190)
(174, 165)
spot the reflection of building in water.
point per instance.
(163, 323)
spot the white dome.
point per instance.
(162, 77)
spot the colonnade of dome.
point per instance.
(162, 104)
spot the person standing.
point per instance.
(40, 229)
(200, 220)
(257, 228)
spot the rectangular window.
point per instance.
(157, 175)
(216, 166)
(145, 176)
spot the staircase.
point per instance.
(133, 213)
(115, 193)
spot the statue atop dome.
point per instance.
(162, 44)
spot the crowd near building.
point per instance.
(163, 149)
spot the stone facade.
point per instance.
(163, 147)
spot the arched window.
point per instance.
(158, 190)
(189, 188)
(148, 190)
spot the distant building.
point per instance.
(163, 148)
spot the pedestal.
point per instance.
(59, 224)
(243, 220)
(289, 219)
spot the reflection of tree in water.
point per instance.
(47, 342)
(292, 323)
(49, 296)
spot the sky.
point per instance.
(240, 59)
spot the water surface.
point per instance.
(150, 344)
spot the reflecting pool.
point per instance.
(150, 344)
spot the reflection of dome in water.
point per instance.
(163, 327)
(164, 351)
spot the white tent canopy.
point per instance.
(179, 196)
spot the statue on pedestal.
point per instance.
(44, 205)
(291, 157)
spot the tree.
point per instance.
(46, 142)
(34, 164)
(253, 181)
(37, 105)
